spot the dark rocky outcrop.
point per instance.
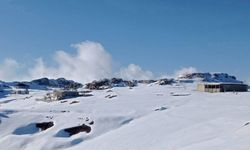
(109, 83)
(99, 85)
(44, 125)
(147, 81)
(161, 109)
(57, 83)
(43, 83)
(166, 81)
(75, 130)
(196, 75)
(209, 77)
(87, 95)
(92, 123)
(246, 124)
(74, 102)
(86, 92)
(110, 96)
(130, 83)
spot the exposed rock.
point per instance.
(147, 81)
(74, 102)
(109, 83)
(110, 96)
(161, 109)
(166, 81)
(98, 85)
(87, 119)
(116, 81)
(87, 95)
(57, 83)
(49, 117)
(85, 92)
(78, 129)
(65, 111)
(107, 96)
(215, 77)
(130, 83)
(44, 125)
(109, 91)
(246, 124)
(91, 123)
(196, 75)
(179, 94)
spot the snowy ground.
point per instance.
(143, 118)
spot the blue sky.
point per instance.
(159, 35)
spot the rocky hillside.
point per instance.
(44, 83)
(57, 83)
(211, 77)
(109, 83)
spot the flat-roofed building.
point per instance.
(222, 87)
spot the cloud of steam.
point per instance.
(248, 81)
(135, 72)
(9, 69)
(90, 62)
(184, 71)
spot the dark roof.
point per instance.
(223, 83)
(22, 85)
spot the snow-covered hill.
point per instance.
(143, 117)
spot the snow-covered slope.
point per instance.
(145, 117)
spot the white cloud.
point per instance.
(90, 62)
(184, 71)
(40, 70)
(9, 69)
(248, 81)
(135, 72)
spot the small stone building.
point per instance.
(222, 87)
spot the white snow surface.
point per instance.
(147, 117)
